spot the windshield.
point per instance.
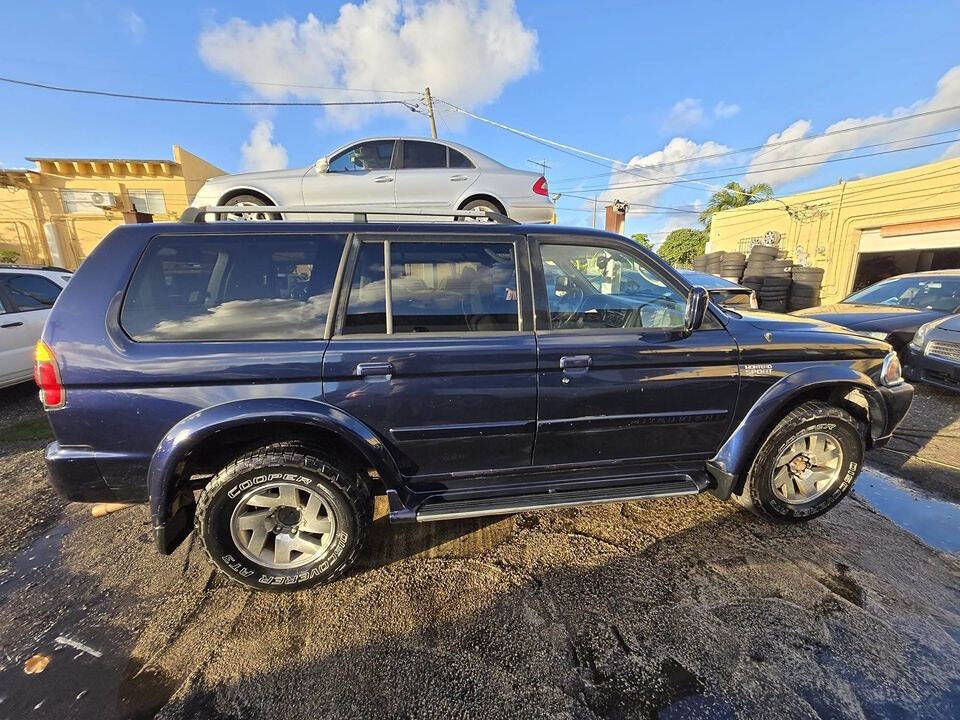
(931, 293)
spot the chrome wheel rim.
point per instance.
(243, 216)
(283, 525)
(479, 208)
(807, 468)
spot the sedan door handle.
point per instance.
(568, 362)
(12, 325)
(374, 369)
(383, 178)
(458, 178)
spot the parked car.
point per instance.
(27, 292)
(411, 175)
(723, 291)
(260, 382)
(893, 309)
(933, 356)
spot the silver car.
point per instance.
(403, 174)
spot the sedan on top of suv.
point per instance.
(895, 308)
(408, 175)
(27, 292)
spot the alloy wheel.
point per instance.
(808, 468)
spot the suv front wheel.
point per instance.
(284, 518)
(807, 464)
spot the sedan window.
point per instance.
(370, 155)
(423, 155)
(459, 160)
(31, 292)
(933, 293)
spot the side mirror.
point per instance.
(321, 165)
(696, 308)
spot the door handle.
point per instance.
(374, 369)
(12, 325)
(569, 362)
(383, 179)
(458, 178)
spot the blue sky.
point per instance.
(621, 80)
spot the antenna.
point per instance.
(542, 164)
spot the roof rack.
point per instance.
(199, 214)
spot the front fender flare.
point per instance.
(194, 429)
(731, 463)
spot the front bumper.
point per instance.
(896, 401)
(931, 370)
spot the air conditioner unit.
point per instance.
(105, 200)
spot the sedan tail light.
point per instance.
(47, 376)
(540, 186)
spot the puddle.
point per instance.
(934, 521)
(90, 673)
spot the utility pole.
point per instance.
(433, 121)
(594, 211)
(542, 164)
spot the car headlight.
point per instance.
(875, 335)
(890, 373)
(920, 337)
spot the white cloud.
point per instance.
(134, 23)
(684, 114)
(725, 110)
(466, 51)
(947, 94)
(684, 155)
(260, 152)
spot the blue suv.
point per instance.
(260, 382)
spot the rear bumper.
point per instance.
(529, 212)
(74, 473)
(931, 370)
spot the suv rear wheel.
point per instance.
(807, 464)
(284, 518)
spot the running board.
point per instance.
(441, 509)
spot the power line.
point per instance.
(624, 186)
(789, 159)
(656, 207)
(779, 143)
(197, 101)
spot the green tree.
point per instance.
(642, 239)
(734, 195)
(682, 245)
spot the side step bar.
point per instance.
(441, 509)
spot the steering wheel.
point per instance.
(569, 319)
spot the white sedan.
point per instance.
(386, 174)
(26, 295)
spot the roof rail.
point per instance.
(199, 214)
(47, 268)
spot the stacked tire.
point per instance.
(756, 267)
(732, 266)
(714, 261)
(700, 263)
(805, 290)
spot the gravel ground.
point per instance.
(671, 608)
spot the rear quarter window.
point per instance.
(232, 288)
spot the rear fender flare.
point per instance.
(194, 429)
(731, 463)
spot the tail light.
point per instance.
(540, 186)
(47, 376)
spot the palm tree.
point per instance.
(734, 195)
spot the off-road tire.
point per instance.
(848, 432)
(343, 483)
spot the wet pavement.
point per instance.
(673, 608)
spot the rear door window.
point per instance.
(423, 155)
(30, 292)
(434, 287)
(233, 288)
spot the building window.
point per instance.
(148, 201)
(85, 201)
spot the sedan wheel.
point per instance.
(247, 201)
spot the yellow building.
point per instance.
(859, 231)
(58, 212)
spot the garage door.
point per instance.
(885, 252)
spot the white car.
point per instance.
(26, 295)
(404, 174)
